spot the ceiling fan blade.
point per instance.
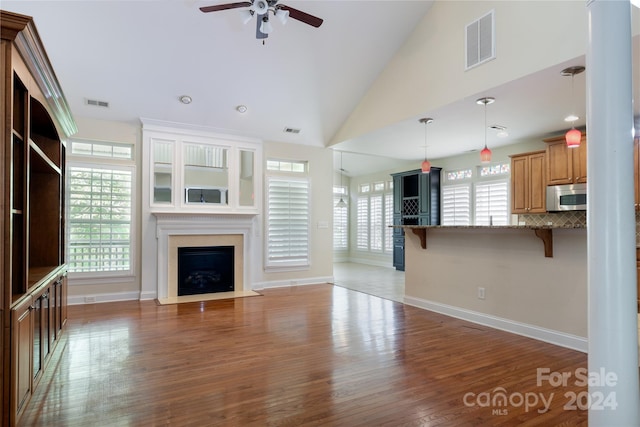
(314, 21)
(260, 34)
(218, 7)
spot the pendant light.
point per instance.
(341, 203)
(426, 164)
(485, 154)
(573, 136)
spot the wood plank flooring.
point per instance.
(304, 356)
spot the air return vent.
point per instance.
(97, 103)
(480, 41)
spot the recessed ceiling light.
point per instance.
(185, 99)
(241, 109)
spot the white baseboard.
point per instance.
(98, 298)
(562, 339)
(147, 295)
(292, 282)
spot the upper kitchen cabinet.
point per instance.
(528, 183)
(191, 171)
(566, 165)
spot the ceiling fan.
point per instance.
(261, 8)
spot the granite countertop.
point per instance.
(499, 227)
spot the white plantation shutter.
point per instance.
(456, 204)
(377, 222)
(492, 202)
(388, 222)
(99, 218)
(287, 222)
(362, 223)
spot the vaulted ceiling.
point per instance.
(141, 56)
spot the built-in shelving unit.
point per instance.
(33, 301)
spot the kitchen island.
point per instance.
(530, 280)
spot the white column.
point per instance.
(613, 328)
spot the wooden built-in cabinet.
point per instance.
(566, 165)
(528, 183)
(33, 299)
(416, 201)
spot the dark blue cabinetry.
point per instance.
(416, 201)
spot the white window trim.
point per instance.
(106, 277)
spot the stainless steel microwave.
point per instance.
(572, 197)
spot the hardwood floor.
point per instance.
(309, 355)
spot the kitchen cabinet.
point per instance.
(416, 201)
(566, 165)
(32, 168)
(528, 183)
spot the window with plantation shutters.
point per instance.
(492, 203)
(99, 218)
(287, 222)
(376, 221)
(362, 223)
(456, 204)
(388, 222)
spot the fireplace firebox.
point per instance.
(205, 270)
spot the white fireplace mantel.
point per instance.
(168, 225)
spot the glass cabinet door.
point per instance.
(162, 172)
(247, 182)
(206, 174)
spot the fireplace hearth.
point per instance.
(205, 270)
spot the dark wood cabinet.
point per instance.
(33, 269)
(416, 201)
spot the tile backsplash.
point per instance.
(567, 218)
(557, 218)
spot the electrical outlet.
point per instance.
(480, 293)
(89, 300)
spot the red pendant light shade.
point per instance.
(426, 164)
(573, 138)
(485, 155)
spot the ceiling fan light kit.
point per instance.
(262, 9)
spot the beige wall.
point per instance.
(127, 288)
(521, 284)
(321, 196)
(428, 71)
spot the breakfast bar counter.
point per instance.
(544, 232)
(497, 276)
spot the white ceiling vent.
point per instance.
(291, 130)
(480, 43)
(97, 103)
